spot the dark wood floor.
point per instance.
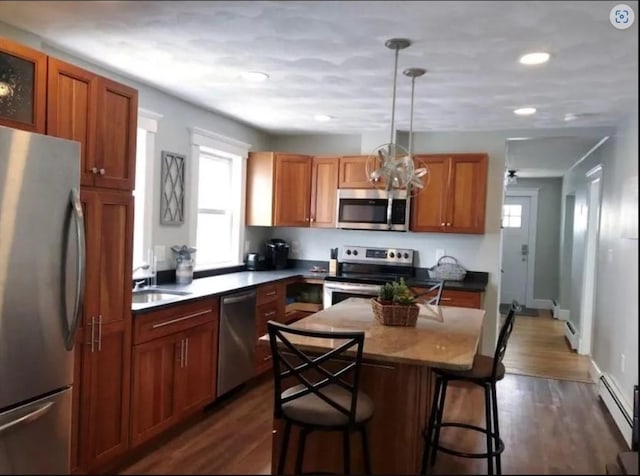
(548, 426)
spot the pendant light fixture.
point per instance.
(391, 165)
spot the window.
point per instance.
(139, 195)
(511, 216)
(216, 204)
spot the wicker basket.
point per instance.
(395, 314)
(447, 267)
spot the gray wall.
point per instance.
(317, 144)
(546, 280)
(615, 331)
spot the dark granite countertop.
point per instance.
(475, 281)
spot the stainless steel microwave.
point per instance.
(371, 209)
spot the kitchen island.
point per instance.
(395, 374)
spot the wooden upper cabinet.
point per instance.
(353, 172)
(72, 103)
(23, 87)
(324, 192)
(116, 134)
(278, 189)
(454, 198)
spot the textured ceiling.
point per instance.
(547, 157)
(330, 58)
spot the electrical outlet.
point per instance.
(622, 363)
(439, 253)
(610, 256)
(295, 248)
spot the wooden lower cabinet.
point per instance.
(172, 376)
(455, 298)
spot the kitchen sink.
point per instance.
(153, 295)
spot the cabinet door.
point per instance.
(324, 192)
(117, 130)
(461, 299)
(72, 100)
(353, 172)
(198, 374)
(467, 194)
(153, 380)
(115, 223)
(23, 87)
(105, 397)
(428, 207)
(292, 190)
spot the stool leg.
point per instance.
(488, 419)
(365, 450)
(436, 442)
(283, 447)
(300, 456)
(346, 451)
(428, 432)
(496, 425)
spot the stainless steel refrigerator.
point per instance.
(42, 252)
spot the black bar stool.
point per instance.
(486, 371)
(326, 399)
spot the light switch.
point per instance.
(160, 252)
(610, 256)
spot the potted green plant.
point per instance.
(395, 305)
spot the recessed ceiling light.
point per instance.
(570, 117)
(254, 76)
(538, 57)
(322, 118)
(525, 111)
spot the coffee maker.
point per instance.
(277, 253)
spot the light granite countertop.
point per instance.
(444, 337)
(222, 284)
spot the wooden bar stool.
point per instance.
(486, 371)
(326, 397)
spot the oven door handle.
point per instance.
(355, 288)
(390, 210)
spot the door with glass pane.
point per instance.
(23, 83)
(515, 249)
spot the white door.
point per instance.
(515, 249)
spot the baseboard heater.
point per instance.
(571, 333)
(611, 397)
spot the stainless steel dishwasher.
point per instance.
(236, 340)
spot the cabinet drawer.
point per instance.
(174, 319)
(269, 292)
(264, 313)
(263, 358)
(461, 299)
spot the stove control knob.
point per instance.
(355, 252)
(348, 252)
(391, 255)
(406, 256)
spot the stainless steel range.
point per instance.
(363, 270)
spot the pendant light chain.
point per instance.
(393, 102)
(413, 85)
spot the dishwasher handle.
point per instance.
(236, 298)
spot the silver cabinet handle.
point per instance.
(186, 352)
(29, 417)
(448, 224)
(271, 293)
(99, 332)
(94, 170)
(183, 318)
(92, 332)
(181, 353)
(269, 314)
(443, 224)
(103, 171)
(76, 206)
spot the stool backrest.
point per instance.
(433, 294)
(503, 338)
(312, 371)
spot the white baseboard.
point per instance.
(571, 333)
(617, 406)
(558, 312)
(543, 303)
(594, 371)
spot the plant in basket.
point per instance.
(395, 305)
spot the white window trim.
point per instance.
(148, 120)
(220, 145)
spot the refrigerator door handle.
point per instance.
(76, 206)
(29, 417)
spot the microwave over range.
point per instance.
(371, 209)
